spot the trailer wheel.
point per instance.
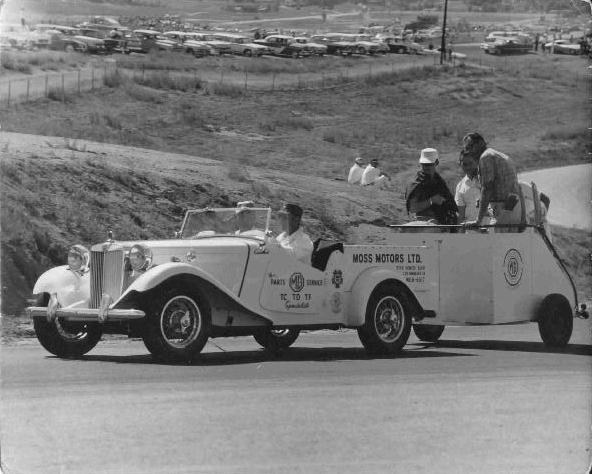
(428, 333)
(555, 320)
(275, 340)
(388, 321)
(178, 325)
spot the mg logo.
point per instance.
(296, 282)
(513, 267)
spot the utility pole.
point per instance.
(443, 44)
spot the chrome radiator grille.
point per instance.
(106, 275)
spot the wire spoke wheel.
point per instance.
(388, 319)
(180, 322)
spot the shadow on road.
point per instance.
(516, 346)
(292, 354)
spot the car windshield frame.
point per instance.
(210, 222)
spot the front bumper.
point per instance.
(99, 315)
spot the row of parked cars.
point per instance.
(104, 39)
(509, 42)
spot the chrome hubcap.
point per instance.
(180, 322)
(389, 319)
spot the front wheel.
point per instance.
(388, 321)
(555, 320)
(248, 52)
(178, 325)
(66, 339)
(428, 333)
(275, 340)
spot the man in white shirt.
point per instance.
(293, 239)
(468, 190)
(356, 171)
(373, 176)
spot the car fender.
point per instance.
(161, 273)
(362, 288)
(69, 286)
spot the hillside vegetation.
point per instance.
(266, 146)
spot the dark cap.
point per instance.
(293, 209)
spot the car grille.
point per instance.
(106, 275)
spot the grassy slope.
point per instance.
(266, 146)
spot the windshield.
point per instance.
(208, 222)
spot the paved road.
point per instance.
(570, 190)
(487, 400)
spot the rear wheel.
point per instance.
(69, 48)
(555, 319)
(248, 52)
(178, 325)
(275, 340)
(388, 321)
(428, 333)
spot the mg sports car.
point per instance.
(216, 279)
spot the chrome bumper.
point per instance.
(84, 314)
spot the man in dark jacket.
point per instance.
(427, 196)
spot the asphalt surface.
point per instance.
(486, 399)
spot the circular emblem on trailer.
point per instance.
(513, 267)
(296, 282)
(335, 302)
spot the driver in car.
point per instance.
(293, 239)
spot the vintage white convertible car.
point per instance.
(213, 280)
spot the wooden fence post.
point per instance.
(78, 81)
(92, 78)
(63, 89)
(9, 90)
(273, 82)
(46, 86)
(28, 88)
(246, 77)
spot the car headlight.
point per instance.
(140, 257)
(78, 258)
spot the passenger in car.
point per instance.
(427, 196)
(499, 184)
(293, 239)
(468, 189)
(246, 220)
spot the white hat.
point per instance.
(359, 160)
(428, 156)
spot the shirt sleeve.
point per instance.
(486, 168)
(459, 198)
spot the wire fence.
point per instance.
(55, 85)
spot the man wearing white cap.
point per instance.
(373, 175)
(356, 171)
(427, 196)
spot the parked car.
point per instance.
(241, 44)
(335, 44)
(398, 45)
(510, 45)
(154, 40)
(563, 47)
(317, 49)
(284, 45)
(189, 43)
(218, 46)
(372, 45)
(213, 281)
(361, 44)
